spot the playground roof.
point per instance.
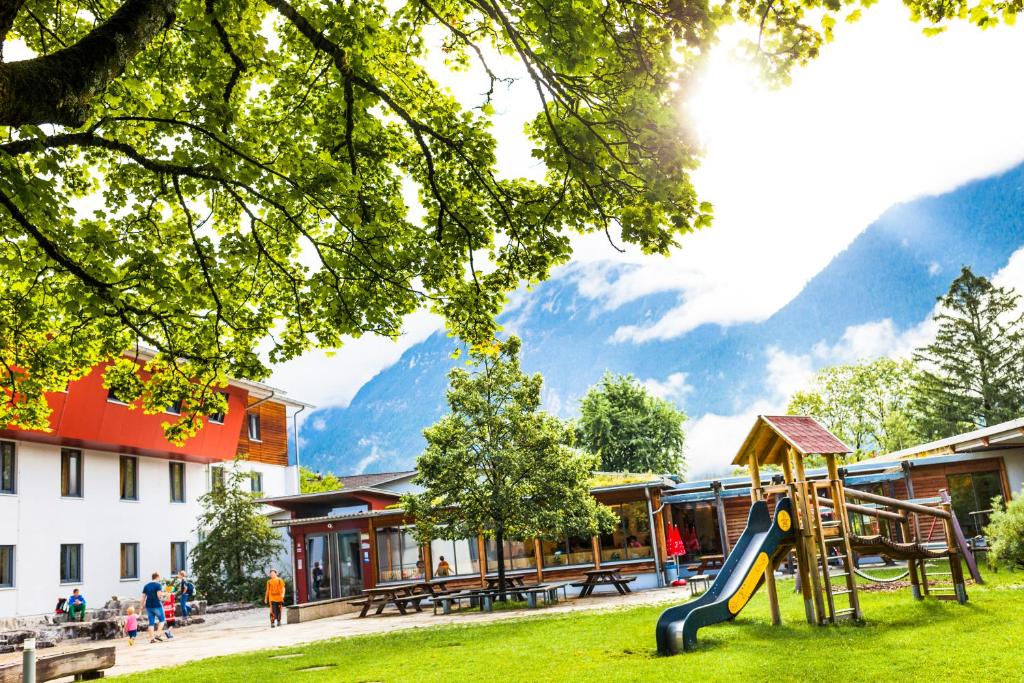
(771, 435)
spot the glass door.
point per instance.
(318, 558)
(349, 566)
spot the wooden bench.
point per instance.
(84, 665)
(621, 585)
(702, 579)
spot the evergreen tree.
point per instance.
(972, 375)
(237, 543)
(499, 466)
(629, 429)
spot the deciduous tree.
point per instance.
(499, 466)
(208, 178)
(318, 482)
(629, 429)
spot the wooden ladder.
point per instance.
(830, 534)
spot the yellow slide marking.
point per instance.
(737, 601)
(784, 520)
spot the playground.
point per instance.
(935, 640)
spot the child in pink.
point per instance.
(131, 626)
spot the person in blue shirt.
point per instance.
(153, 601)
(76, 606)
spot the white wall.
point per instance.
(37, 520)
(1014, 469)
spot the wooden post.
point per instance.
(374, 577)
(597, 551)
(915, 582)
(809, 573)
(481, 550)
(538, 557)
(723, 525)
(756, 494)
(428, 563)
(956, 570)
(837, 489)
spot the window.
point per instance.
(70, 473)
(399, 557)
(178, 557)
(631, 540)
(518, 555)
(216, 478)
(112, 398)
(129, 478)
(218, 418)
(254, 426)
(129, 561)
(8, 468)
(6, 566)
(256, 481)
(177, 470)
(71, 563)
(972, 496)
(567, 551)
(461, 556)
(174, 408)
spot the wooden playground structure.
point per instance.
(822, 528)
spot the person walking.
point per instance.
(131, 626)
(274, 597)
(152, 600)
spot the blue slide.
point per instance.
(762, 544)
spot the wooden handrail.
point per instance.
(861, 510)
(895, 503)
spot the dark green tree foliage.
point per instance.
(629, 429)
(972, 375)
(164, 164)
(237, 543)
(499, 466)
(1005, 532)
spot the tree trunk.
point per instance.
(499, 538)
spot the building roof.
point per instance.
(771, 435)
(376, 479)
(339, 497)
(1008, 434)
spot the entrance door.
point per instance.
(318, 558)
(350, 568)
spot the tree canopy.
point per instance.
(629, 429)
(318, 482)
(231, 182)
(499, 466)
(972, 375)
(867, 405)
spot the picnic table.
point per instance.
(400, 595)
(433, 588)
(707, 562)
(604, 577)
(512, 579)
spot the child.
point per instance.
(131, 626)
(274, 597)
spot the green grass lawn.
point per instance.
(900, 640)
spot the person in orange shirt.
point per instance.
(274, 597)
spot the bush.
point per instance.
(1005, 532)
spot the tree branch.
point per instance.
(59, 88)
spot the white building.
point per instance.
(102, 500)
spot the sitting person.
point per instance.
(76, 606)
(443, 568)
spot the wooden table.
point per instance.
(432, 588)
(604, 577)
(707, 562)
(511, 580)
(398, 595)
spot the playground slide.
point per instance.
(760, 547)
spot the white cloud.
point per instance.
(884, 115)
(673, 387)
(319, 424)
(1012, 274)
(713, 440)
(332, 380)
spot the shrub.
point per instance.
(1005, 532)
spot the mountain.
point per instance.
(893, 270)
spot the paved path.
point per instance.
(250, 631)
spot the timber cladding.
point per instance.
(272, 448)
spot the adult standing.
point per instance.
(185, 591)
(153, 600)
(274, 597)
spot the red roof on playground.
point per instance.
(772, 433)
